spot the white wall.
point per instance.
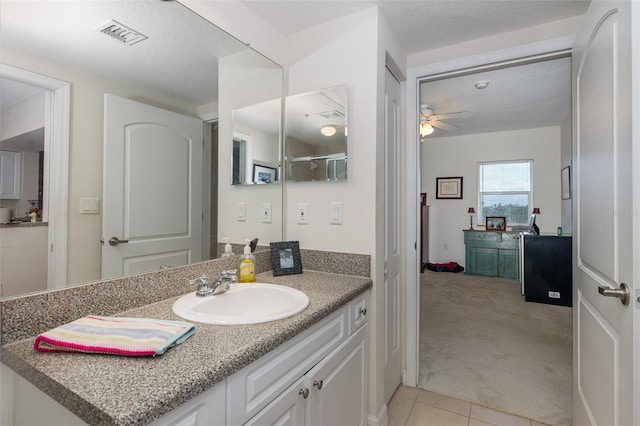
(22, 117)
(341, 51)
(246, 78)
(459, 155)
(349, 50)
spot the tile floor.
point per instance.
(413, 406)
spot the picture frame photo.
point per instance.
(496, 223)
(449, 187)
(264, 174)
(565, 181)
(285, 258)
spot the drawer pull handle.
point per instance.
(304, 392)
(318, 384)
(362, 311)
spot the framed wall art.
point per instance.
(264, 174)
(449, 187)
(285, 258)
(565, 180)
(496, 223)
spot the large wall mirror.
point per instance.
(316, 135)
(154, 54)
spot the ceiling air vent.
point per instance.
(331, 114)
(121, 32)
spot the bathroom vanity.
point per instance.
(311, 367)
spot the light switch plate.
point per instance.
(303, 213)
(89, 205)
(266, 212)
(241, 212)
(336, 213)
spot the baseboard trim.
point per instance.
(381, 419)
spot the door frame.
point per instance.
(57, 164)
(413, 173)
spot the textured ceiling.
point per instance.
(179, 57)
(522, 97)
(69, 35)
(423, 24)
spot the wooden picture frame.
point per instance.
(264, 174)
(496, 223)
(285, 258)
(565, 181)
(449, 188)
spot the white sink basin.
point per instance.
(243, 304)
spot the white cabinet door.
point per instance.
(286, 409)
(10, 163)
(338, 385)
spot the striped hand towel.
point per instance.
(116, 336)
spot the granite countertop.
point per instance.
(19, 224)
(113, 390)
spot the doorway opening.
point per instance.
(481, 114)
(52, 196)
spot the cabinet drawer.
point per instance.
(358, 312)
(483, 236)
(256, 385)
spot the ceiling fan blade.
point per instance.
(443, 126)
(450, 115)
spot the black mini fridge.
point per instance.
(547, 269)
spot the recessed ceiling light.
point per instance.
(481, 85)
(328, 130)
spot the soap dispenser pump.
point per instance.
(228, 252)
(247, 265)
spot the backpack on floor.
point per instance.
(445, 267)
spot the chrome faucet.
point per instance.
(221, 285)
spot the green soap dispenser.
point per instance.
(247, 265)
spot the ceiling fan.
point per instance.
(430, 120)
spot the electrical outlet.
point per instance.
(266, 212)
(303, 213)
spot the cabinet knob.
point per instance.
(362, 311)
(304, 392)
(318, 384)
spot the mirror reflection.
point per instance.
(316, 135)
(256, 143)
(173, 64)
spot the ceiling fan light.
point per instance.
(425, 129)
(328, 130)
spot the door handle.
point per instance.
(114, 241)
(621, 293)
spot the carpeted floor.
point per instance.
(481, 342)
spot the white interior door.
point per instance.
(152, 188)
(392, 259)
(605, 189)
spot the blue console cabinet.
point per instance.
(494, 254)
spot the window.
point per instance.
(504, 189)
